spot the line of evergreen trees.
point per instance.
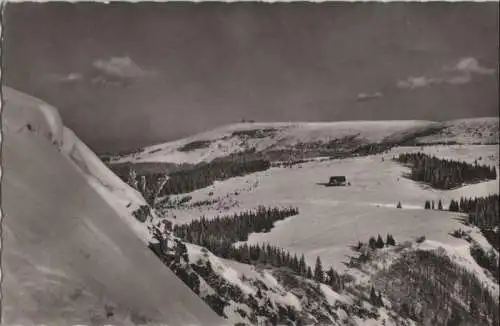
(190, 178)
(482, 212)
(378, 243)
(444, 174)
(204, 175)
(232, 228)
(218, 235)
(194, 145)
(431, 205)
(177, 259)
(266, 254)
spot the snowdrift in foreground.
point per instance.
(68, 257)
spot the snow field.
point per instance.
(332, 219)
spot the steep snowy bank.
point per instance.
(122, 198)
(68, 257)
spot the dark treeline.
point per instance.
(431, 205)
(211, 234)
(269, 255)
(189, 178)
(482, 212)
(231, 228)
(176, 257)
(205, 174)
(445, 174)
(220, 234)
(379, 242)
(194, 145)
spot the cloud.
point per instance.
(472, 66)
(65, 78)
(72, 77)
(457, 74)
(112, 72)
(416, 82)
(367, 97)
(122, 67)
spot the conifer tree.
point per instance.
(390, 240)
(302, 265)
(334, 280)
(318, 271)
(309, 273)
(372, 243)
(380, 243)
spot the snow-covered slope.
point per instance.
(46, 122)
(466, 131)
(257, 292)
(235, 138)
(265, 137)
(122, 198)
(70, 254)
(332, 219)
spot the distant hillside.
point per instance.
(284, 141)
(465, 131)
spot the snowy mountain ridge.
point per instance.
(271, 137)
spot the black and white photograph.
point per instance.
(249, 163)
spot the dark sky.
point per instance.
(124, 75)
